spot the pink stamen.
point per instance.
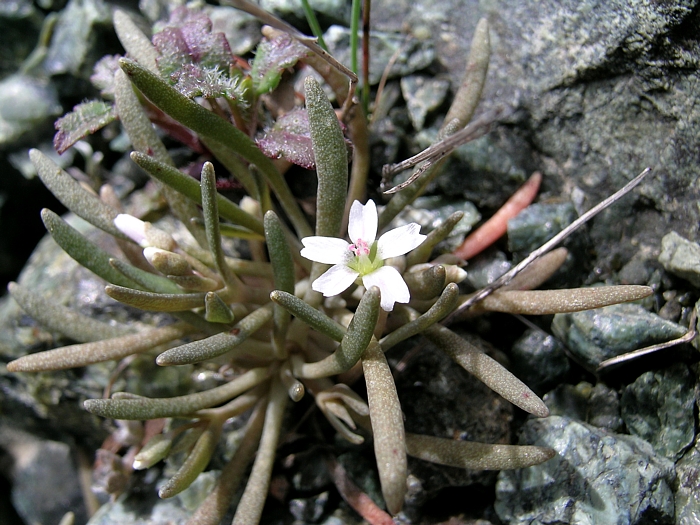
(359, 248)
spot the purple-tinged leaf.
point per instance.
(290, 139)
(103, 75)
(85, 119)
(271, 58)
(188, 39)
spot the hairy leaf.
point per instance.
(85, 119)
(271, 58)
(290, 139)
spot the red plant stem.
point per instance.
(496, 226)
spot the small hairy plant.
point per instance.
(311, 306)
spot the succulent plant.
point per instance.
(284, 324)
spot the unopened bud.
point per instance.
(167, 263)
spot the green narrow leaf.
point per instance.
(441, 309)
(312, 317)
(387, 427)
(159, 302)
(354, 342)
(134, 41)
(251, 504)
(73, 196)
(195, 463)
(427, 283)
(421, 254)
(146, 280)
(83, 251)
(210, 125)
(73, 356)
(331, 157)
(191, 189)
(217, 311)
(473, 455)
(58, 318)
(217, 344)
(154, 408)
(487, 370)
(211, 226)
(283, 270)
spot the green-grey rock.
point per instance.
(597, 405)
(538, 223)
(681, 257)
(539, 360)
(596, 335)
(423, 94)
(596, 477)
(659, 407)
(688, 491)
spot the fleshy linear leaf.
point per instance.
(217, 344)
(159, 302)
(73, 356)
(137, 45)
(83, 251)
(546, 302)
(191, 189)
(251, 504)
(85, 119)
(314, 318)
(387, 427)
(195, 463)
(143, 408)
(73, 196)
(487, 370)
(283, 268)
(61, 319)
(331, 160)
(477, 456)
(441, 309)
(354, 342)
(210, 125)
(213, 508)
(421, 254)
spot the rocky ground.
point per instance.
(600, 90)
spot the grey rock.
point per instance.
(604, 408)
(411, 56)
(423, 94)
(688, 491)
(539, 360)
(681, 257)
(45, 480)
(596, 335)
(659, 407)
(596, 477)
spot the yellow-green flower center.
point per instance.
(365, 260)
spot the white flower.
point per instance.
(363, 260)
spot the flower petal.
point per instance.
(391, 285)
(327, 250)
(362, 223)
(132, 227)
(399, 241)
(336, 280)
